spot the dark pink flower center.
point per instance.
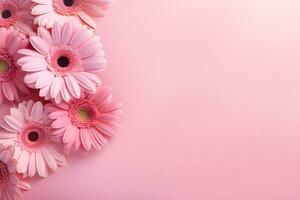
(68, 3)
(83, 113)
(64, 59)
(33, 135)
(67, 7)
(9, 14)
(4, 174)
(6, 14)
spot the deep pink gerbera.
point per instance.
(10, 184)
(64, 62)
(49, 11)
(85, 122)
(16, 13)
(11, 77)
(27, 128)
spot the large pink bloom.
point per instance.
(27, 128)
(49, 11)
(85, 122)
(16, 13)
(10, 184)
(64, 62)
(11, 77)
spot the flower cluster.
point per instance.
(50, 61)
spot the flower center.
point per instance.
(7, 66)
(33, 135)
(63, 61)
(6, 14)
(9, 14)
(4, 174)
(4, 66)
(83, 113)
(67, 7)
(68, 3)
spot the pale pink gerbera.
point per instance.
(85, 122)
(10, 184)
(49, 11)
(11, 77)
(64, 62)
(28, 129)
(16, 13)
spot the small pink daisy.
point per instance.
(16, 13)
(85, 122)
(10, 184)
(11, 77)
(27, 128)
(47, 12)
(64, 62)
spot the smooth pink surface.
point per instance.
(211, 94)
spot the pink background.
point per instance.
(211, 92)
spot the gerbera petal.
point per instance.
(23, 26)
(34, 66)
(60, 123)
(41, 165)
(45, 80)
(86, 18)
(56, 86)
(17, 114)
(29, 52)
(73, 86)
(44, 91)
(40, 45)
(13, 123)
(86, 83)
(37, 111)
(49, 159)
(44, 2)
(65, 92)
(69, 136)
(9, 90)
(45, 35)
(23, 162)
(92, 77)
(80, 37)
(99, 137)
(56, 33)
(67, 32)
(11, 166)
(58, 155)
(41, 9)
(93, 10)
(90, 48)
(58, 114)
(32, 77)
(23, 185)
(85, 139)
(104, 128)
(32, 165)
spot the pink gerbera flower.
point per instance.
(49, 11)
(64, 62)
(85, 122)
(28, 129)
(10, 184)
(11, 77)
(16, 13)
